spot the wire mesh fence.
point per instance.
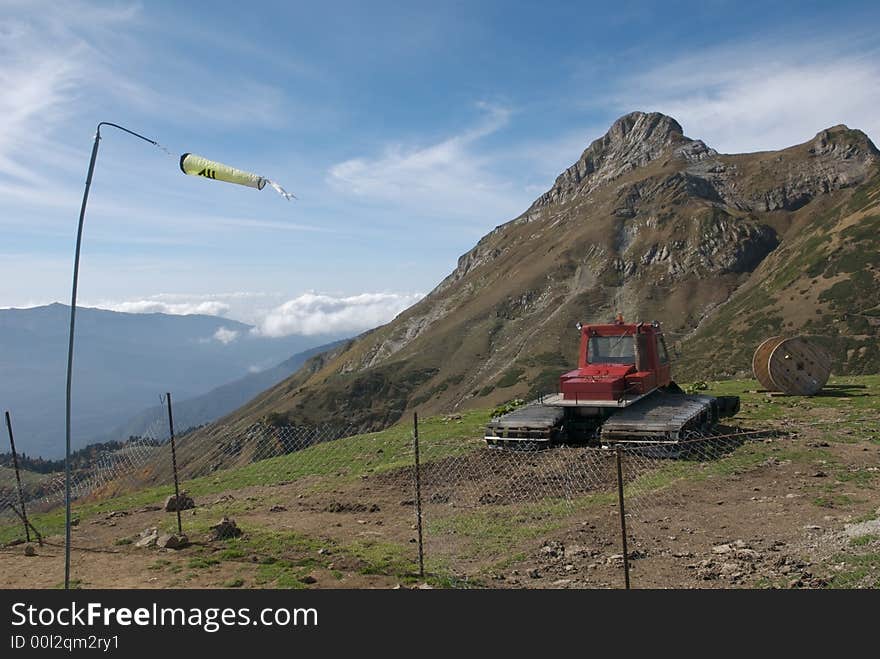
(477, 515)
(90, 473)
(551, 517)
(487, 508)
(674, 495)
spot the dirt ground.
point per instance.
(769, 526)
(790, 518)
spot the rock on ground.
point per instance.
(181, 502)
(225, 528)
(148, 538)
(172, 541)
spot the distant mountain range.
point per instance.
(217, 403)
(724, 250)
(122, 363)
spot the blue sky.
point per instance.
(407, 131)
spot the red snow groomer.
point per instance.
(621, 391)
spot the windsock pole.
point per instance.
(79, 231)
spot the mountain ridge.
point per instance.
(216, 403)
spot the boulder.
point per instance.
(225, 528)
(183, 501)
(172, 541)
(148, 538)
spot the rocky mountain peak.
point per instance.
(638, 128)
(634, 140)
(843, 142)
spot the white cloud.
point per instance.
(448, 178)
(39, 86)
(759, 95)
(313, 313)
(243, 306)
(225, 335)
(206, 307)
(59, 60)
(274, 314)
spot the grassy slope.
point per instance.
(825, 282)
(7, 477)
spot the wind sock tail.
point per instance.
(284, 193)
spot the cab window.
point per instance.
(611, 350)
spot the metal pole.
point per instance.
(79, 230)
(622, 516)
(174, 464)
(418, 493)
(27, 531)
(82, 215)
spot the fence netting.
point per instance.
(513, 516)
(89, 473)
(527, 516)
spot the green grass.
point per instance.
(860, 570)
(75, 584)
(281, 574)
(864, 540)
(349, 458)
(231, 554)
(284, 558)
(381, 557)
(495, 530)
(747, 457)
(499, 529)
(834, 501)
(510, 377)
(846, 404)
(28, 478)
(861, 478)
(202, 562)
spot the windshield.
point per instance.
(611, 350)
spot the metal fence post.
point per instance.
(24, 518)
(174, 464)
(619, 452)
(418, 484)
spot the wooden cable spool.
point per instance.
(761, 359)
(793, 366)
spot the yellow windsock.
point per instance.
(195, 165)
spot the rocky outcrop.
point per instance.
(836, 158)
(633, 141)
(719, 246)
